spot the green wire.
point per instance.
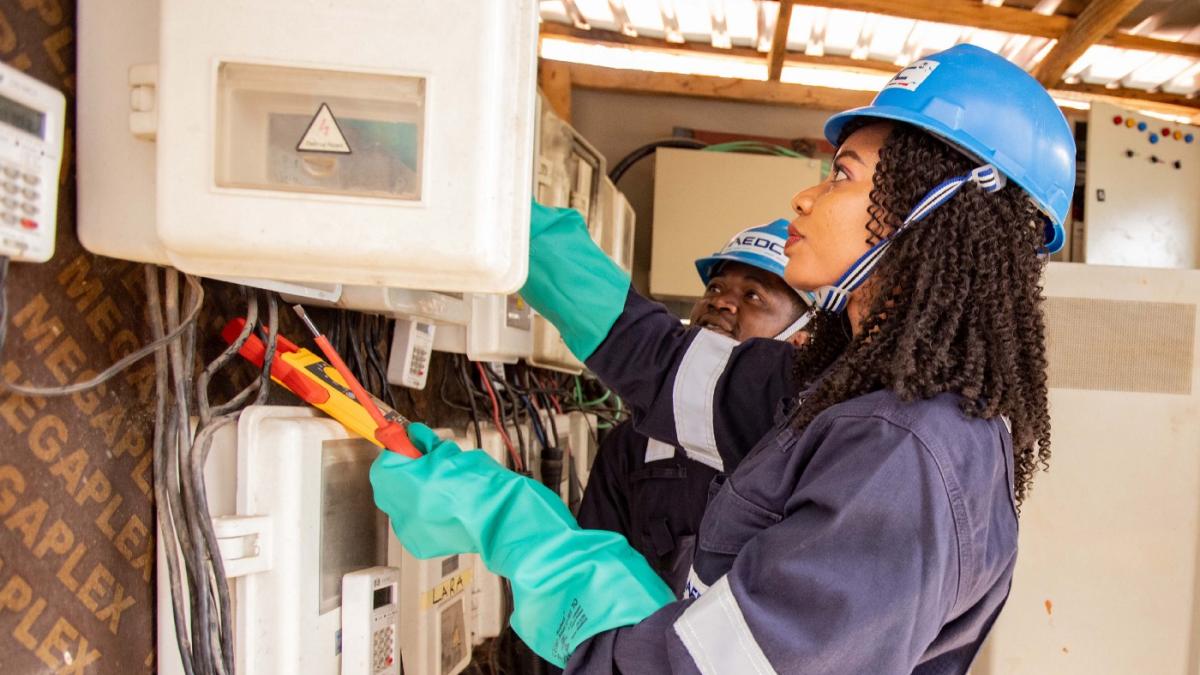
(596, 402)
(754, 147)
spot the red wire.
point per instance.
(496, 418)
(552, 397)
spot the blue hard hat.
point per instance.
(986, 106)
(760, 247)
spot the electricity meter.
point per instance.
(31, 149)
(435, 604)
(487, 599)
(570, 172)
(311, 142)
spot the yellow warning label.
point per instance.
(448, 588)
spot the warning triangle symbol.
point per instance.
(324, 134)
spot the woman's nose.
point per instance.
(802, 202)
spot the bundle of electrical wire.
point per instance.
(185, 424)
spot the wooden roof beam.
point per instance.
(822, 98)
(721, 88)
(1176, 104)
(783, 22)
(1098, 19)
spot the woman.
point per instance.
(873, 527)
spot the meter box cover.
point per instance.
(352, 142)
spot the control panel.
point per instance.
(371, 622)
(31, 149)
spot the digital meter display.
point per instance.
(383, 597)
(22, 117)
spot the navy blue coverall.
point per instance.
(880, 539)
(652, 493)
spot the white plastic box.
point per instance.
(354, 142)
(489, 615)
(436, 612)
(570, 173)
(31, 152)
(292, 509)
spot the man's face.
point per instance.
(745, 302)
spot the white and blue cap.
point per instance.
(760, 247)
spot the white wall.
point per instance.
(1150, 213)
(617, 123)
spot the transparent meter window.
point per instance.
(353, 531)
(324, 131)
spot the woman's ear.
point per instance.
(799, 339)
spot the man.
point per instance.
(655, 493)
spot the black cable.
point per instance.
(443, 392)
(649, 149)
(3, 300)
(182, 506)
(161, 499)
(212, 549)
(180, 455)
(471, 401)
(377, 358)
(199, 459)
(202, 400)
(123, 363)
(523, 446)
(264, 388)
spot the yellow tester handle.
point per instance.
(341, 404)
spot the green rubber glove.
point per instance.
(571, 281)
(568, 584)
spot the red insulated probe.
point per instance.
(392, 434)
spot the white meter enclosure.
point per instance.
(369, 142)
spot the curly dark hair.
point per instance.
(956, 303)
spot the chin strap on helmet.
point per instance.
(795, 327)
(834, 298)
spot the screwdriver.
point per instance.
(391, 433)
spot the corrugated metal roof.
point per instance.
(860, 36)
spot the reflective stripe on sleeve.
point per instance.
(717, 637)
(656, 450)
(692, 395)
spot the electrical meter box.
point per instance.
(570, 173)
(292, 511)
(489, 615)
(355, 142)
(499, 330)
(435, 611)
(485, 326)
(615, 227)
(32, 118)
(435, 604)
(310, 476)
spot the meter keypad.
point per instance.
(19, 199)
(381, 655)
